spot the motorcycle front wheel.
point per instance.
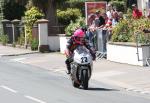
(84, 79)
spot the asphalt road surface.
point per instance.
(22, 83)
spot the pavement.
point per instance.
(12, 51)
(129, 77)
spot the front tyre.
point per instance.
(84, 79)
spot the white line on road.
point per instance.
(18, 59)
(9, 89)
(34, 99)
(107, 74)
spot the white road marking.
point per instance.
(145, 92)
(34, 99)
(107, 74)
(58, 70)
(1, 55)
(18, 59)
(9, 89)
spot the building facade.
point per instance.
(144, 6)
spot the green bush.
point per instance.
(21, 39)
(131, 30)
(65, 17)
(31, 16)
(120, 5)
(13, 10)
(34, 44)
(80, 22)
(4, 39)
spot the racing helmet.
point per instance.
(79, 36)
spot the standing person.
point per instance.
(120, 15)
(115, 18)
(91, 19)
(136, 13)
(102, 20)
(148, 9)
(97, 21)
(78, 38)
(91, 35)
(149, 14)
(109, 11)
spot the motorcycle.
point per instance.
(81, 67)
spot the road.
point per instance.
(22, 83)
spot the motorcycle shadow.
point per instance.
(101, 89)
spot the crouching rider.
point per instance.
(78, 38)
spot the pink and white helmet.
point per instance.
(79, 36)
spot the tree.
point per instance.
(12, 10)
(49, 7)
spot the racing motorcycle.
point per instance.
(81, 67)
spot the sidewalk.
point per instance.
(132, 78)
(11, 51)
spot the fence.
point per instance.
(13, 29)
(99, 40)
(53, 30)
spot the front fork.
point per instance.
(80, 72)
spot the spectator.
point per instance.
(109, 11)
(102, 20)
(105, 17)
(148, 14)
(120, 15)
(136, 13)
(92, 28)
(91, 19)
(97, 21)
(115, 18)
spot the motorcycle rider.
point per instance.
(78, 38)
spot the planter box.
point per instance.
(128, 53)
(63, 41)
(53, 42)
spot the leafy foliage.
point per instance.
(13, 11)
(31, 16)
(119, 5)
(4, 39)
(34, 44)
(130, 29)
(21, 39)
(64, 17)
(74, 25)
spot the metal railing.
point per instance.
(53, 30)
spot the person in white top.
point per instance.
(109, 11)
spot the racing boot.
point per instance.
(68, 70)
(68, 66)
